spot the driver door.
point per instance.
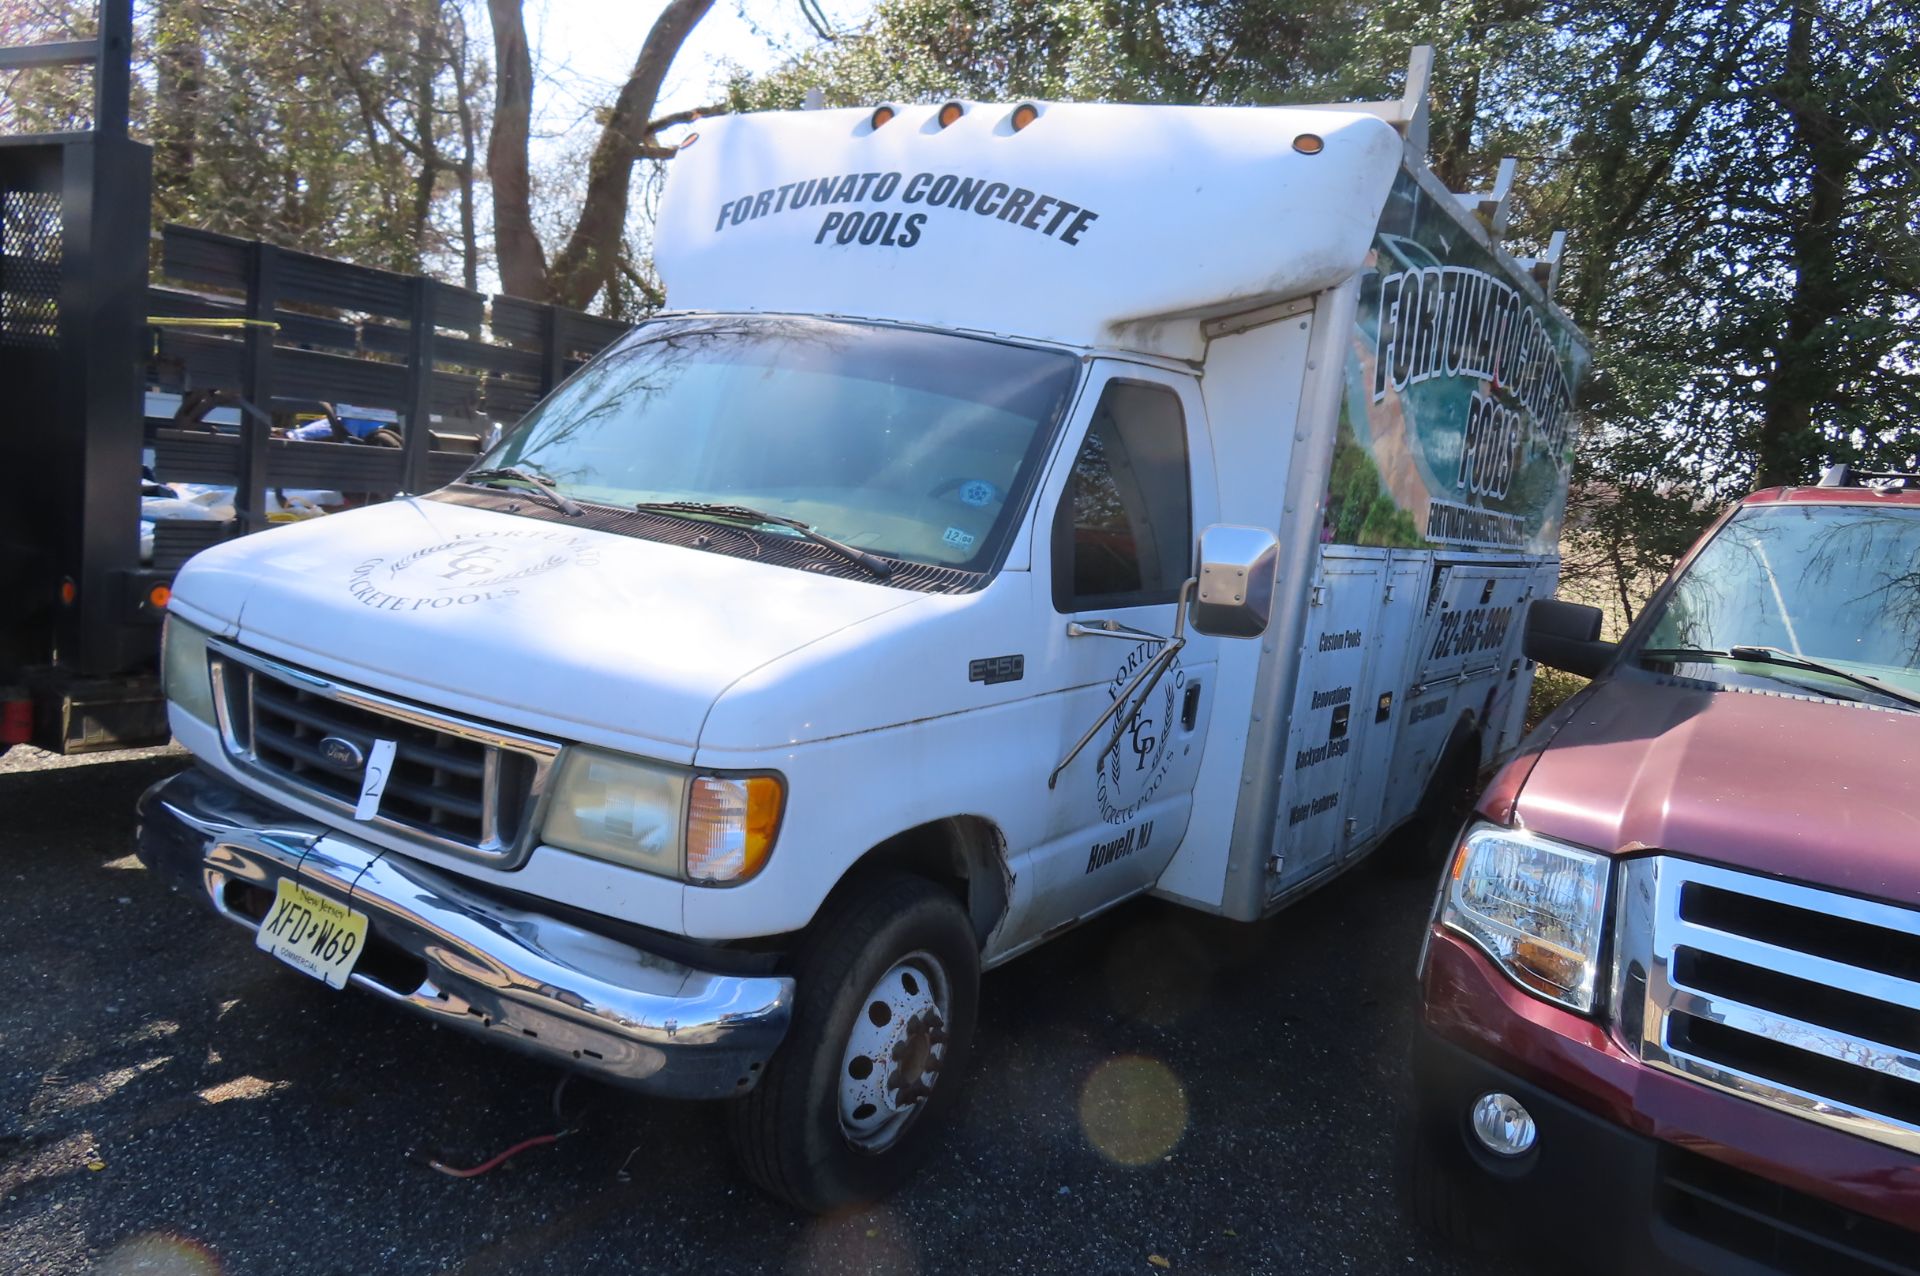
(1118, 521)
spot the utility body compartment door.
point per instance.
(1466, 667)
(1376, 805)
(1332, 723)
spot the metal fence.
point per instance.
(252, 338)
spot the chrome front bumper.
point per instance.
(548, 987)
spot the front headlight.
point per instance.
(1536, 906)
(184, 677)
(618, 809)
(715, 830)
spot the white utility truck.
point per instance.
(1026, 508)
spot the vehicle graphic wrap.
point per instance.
(1457, 426)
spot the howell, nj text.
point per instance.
(1134, 839)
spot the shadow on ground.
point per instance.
(1158, 1084)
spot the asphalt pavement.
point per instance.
(1158, 1091)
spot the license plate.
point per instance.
(312, 933)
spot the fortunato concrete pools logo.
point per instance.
(473, 568)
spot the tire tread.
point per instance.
(758, 1121)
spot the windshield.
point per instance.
(913, 445)
(1837, 584)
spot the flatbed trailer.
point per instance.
(188, 355)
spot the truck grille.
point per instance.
(1802, 999)
(455, 784)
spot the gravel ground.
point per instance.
(1157, 1091)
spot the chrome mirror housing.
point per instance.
(1233, 594)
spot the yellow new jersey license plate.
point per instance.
(312, 933)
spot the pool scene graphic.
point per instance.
(1457, 425)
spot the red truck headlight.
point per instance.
(1537, 907)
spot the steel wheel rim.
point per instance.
(895, 1052)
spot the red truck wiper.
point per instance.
(1788, 660)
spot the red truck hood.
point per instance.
(1806, 789)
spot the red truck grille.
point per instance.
(1740, 1214)
(1799, 998)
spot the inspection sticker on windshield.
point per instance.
(978, 493)
(313, 934)
(960, 539)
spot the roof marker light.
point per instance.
(1309, 144)
(950, 114)
(1024, 114)
(881, 114)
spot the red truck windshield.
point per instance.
(1831, 584)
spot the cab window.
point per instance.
(1123, 534)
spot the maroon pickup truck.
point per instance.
(1671, 988)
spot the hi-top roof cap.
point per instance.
(1089, 224)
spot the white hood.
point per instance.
(539, 624)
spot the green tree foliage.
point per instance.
(316, 124)
(45, 99)
(344, 127)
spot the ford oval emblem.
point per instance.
(344, 754)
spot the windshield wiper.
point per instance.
(747, 514)
(545, 486)
(1787, 660)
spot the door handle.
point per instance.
(1108, 628)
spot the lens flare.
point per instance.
(875, 1240)
(158, 1254)
(1133, 1110)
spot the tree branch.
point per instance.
(583, 267)
(523, 263)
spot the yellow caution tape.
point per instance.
(157, 321)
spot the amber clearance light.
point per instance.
(1309, 144)
(731, 825)
(950, 114)
(881, 114)
(1024, 114)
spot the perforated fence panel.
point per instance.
(29, 269)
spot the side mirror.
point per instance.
(1233, 593)
(1566, 636)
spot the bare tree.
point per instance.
(591, 257)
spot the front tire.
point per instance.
(888, 984)
(1435, 1195)
(1444, 807)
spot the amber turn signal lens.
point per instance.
(1024, 114)
(731, 822)
(68, 592)
(881, 114)
(950, 114)
(159, 596)
(1309, 144)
